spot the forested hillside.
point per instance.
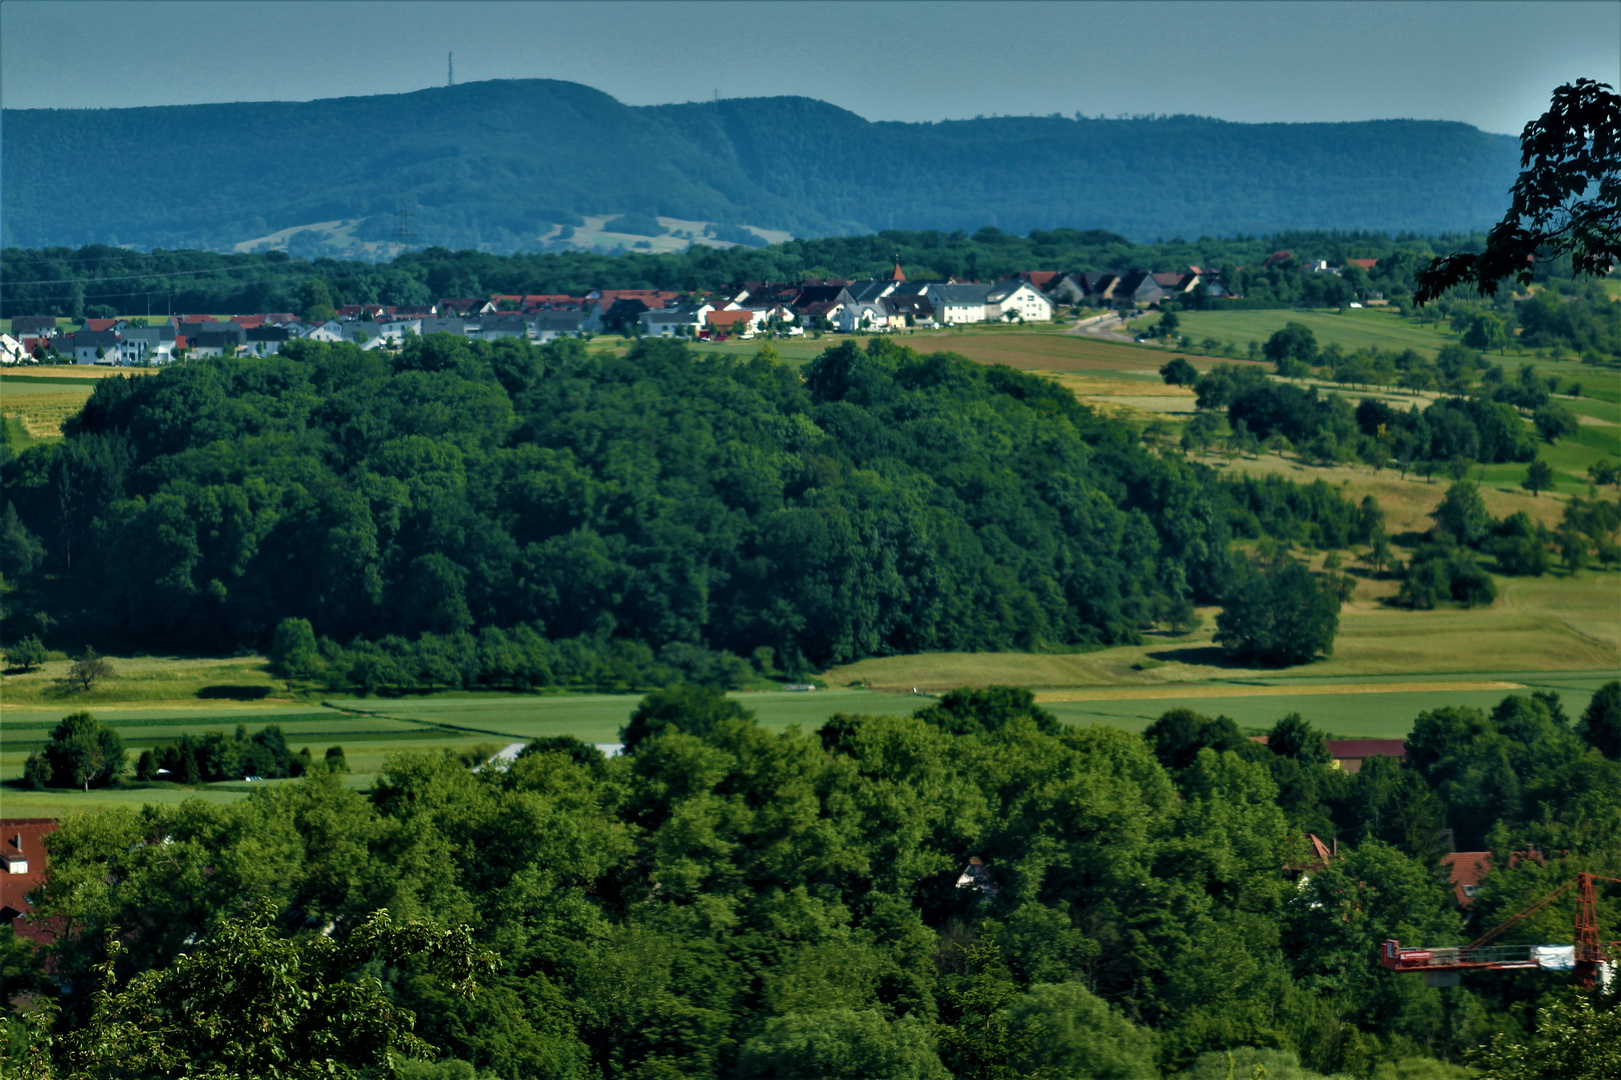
(885, 502)
(495, 164)
(976, 890)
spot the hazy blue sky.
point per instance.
(1488, 64)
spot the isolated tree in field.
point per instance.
(1567, 200)
(26, 653)
(1463, 513)
(1538, 477)
(1179, 372)
(293, 652)
(1555, 422)
(250, 1003)
(1604, 471)
(88, 670)
(84, 752)
(1378, 554)
(1279, 616)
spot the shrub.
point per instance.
(27, 653)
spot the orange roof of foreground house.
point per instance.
(1366, 264)
(1467, 869)
(22, 843)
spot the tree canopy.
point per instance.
(455, 514)
(1566, 201)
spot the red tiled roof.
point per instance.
(197, 318)
(1277, 257)
(1038, 278)
(98, 325)
(248, 322)
(1366, 264)
(1467, 869)
(14, 888)
(728, 318)
(1367, 748)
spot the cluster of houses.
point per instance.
(758, 307)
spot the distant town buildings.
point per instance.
(879, 305)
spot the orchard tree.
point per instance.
(1538, 478)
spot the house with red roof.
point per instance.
(1366, 264)
(1349, 754)
(1466, 869)
(23, 861)
(1039, 278)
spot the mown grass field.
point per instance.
(1350, 330)
(35, 400)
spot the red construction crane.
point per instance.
(1442, 965)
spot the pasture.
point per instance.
(1350, 329)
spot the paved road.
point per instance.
(1103, 329)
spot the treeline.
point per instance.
(1486, 426)
(975, 890)
(885, 502)
(520, 658)
(104, 280)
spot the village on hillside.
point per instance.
(756, 308)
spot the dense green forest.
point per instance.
(976, 890)
(496, 164)
(881, 502)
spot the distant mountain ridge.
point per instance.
(500, 164)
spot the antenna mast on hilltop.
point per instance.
(451, 78)
(402, 223)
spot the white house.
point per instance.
(1016, 299)
(393, 331)
(861, 316)
(11, 350)
(955, 304)
(331, 330)
(149, 344)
